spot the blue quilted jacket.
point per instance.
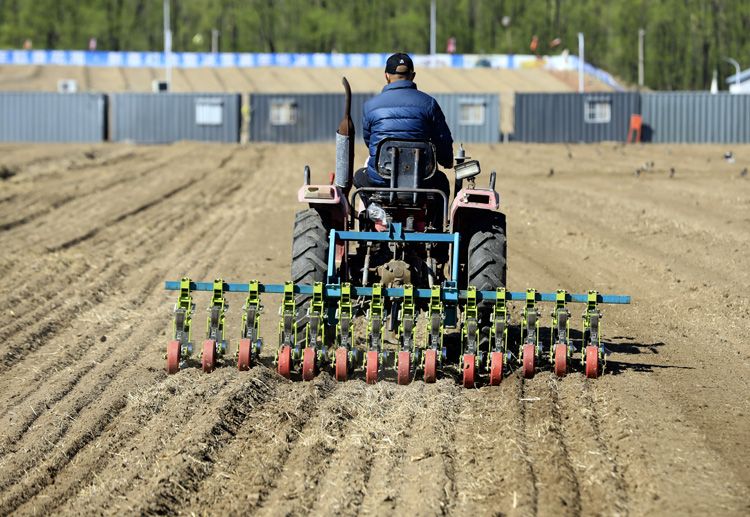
(402, 111)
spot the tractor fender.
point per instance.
(469, 201)
(330, 201)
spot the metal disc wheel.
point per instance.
(529, 357)
(561, 360)
(342, 363)
(371, 373)
(430, 365)
(173, 357)
(285, 361)
(469, 369)
(308, 364)
(245, 355)
(404, 367)
(496, 368)
(592, 362)
(208, 358)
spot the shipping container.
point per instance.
(696, 117)
(574, 117)
(299, 117)
(52, 117)
(160, 118)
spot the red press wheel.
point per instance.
(592, 362)
(528, 361)
(244, 357)
(342, 363)
(173, 357)
(430, 365)
(208, 358)
(308, 364)
(496, 368)
(371, 375)
(285, 361)
(469, 363)
(561, 360)
(404, 367)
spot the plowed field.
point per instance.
(90, 423)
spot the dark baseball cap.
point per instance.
(399, 63)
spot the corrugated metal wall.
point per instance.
(561, 117)
(317, 116)
(160, 118)
(468, 125)
(52, 117)
(696, 117)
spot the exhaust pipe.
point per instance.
(345, 144)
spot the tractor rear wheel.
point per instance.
(486, 261)
(309, 257)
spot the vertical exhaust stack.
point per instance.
(345, 144)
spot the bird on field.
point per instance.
(551, 173)
(729, 156)
(671, 172)
(638, 172)
(743, 172)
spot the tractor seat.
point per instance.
(404, 164)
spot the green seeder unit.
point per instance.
(324, 336)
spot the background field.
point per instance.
(90, 423)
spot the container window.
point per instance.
(471, 113)
(597, 111)
(283, 113)
(209, 112)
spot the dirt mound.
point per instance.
(90, 422)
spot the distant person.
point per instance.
(402, 111)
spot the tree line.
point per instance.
(685, 41)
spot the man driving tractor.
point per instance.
(401, 111)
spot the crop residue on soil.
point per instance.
(90, 422)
